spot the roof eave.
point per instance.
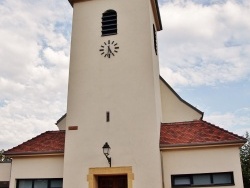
(237, 143)
(25, 154)
(61, 118)
(156, 12)
(74, 1)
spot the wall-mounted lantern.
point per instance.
(106, 150)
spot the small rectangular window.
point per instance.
(56, 183)
(25, 184)
(201, 179)
(39, 183)
(182, 180)
(205, 179)
(222, 178)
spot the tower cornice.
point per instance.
(155, 8)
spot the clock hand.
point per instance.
(109, 50)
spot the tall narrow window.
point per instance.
(107, 117)
(109, 23)
(155, 39)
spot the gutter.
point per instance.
(201, 145)
(34, 154)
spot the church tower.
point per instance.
(113, 96)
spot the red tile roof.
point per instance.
(172, 134)
(45, 143)
(195, 133)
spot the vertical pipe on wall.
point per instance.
(162, 171)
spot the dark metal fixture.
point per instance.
(106, 149)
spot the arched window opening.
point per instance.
(155, 39)
(109, 23)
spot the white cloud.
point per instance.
(199, 45)
(34, 53)
(237, 121)
(205, 44)
(58, 58)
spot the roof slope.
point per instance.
(45, 143)
(195, 133)
(191, 133)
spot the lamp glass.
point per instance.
(106, 151)
(106, 148)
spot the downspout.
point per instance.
(162, 171)
(10, 171)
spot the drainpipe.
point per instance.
(162, 171)
(10, 171)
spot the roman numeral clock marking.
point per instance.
(109, 49)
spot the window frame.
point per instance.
(211, 184)
(35, 179)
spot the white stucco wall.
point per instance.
(126, 85)
(5, 171)
(203, 160)
(155, 67)
(36, 167)
(174, 109)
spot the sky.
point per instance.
(204, 53)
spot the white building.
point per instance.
(116, 98)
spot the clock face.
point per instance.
(109, 49)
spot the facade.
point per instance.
(116, 98)
(197, 153)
